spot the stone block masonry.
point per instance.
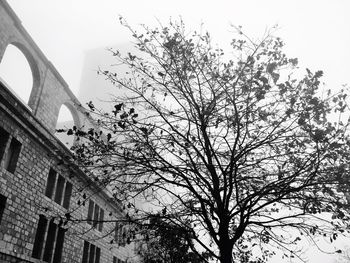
(39, 185)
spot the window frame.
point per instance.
(58, 188)
(9, 154)
(89, 257)
(49, 240)
(95, 215)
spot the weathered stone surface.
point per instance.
(24, 189)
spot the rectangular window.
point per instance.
(98, 254)
(58, 189)
(114, 260)
(122, 240)
(85, 252)
(90, 212)
(100, 224)
(120, 234)
(49, 239)
(4, 137)
(67, 195)
(96, 213)
(95, 216)
(91, 253)
(39, 237)
(12, 155)
(59, 245)
(51, 181)
(2, 205)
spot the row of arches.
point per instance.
(20, 73)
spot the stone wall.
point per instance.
(49, 89)
(32, 126)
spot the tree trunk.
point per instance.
(226, 252)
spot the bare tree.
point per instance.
(235, 147)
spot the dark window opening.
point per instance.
(100, 224)
(12, 155)
(51, 236)
(98, 254)
(95, 216)
(85, 252)
(90, 211)
(67, 195)
(39, 237)
(59, 245)
(118, 234)
(2, 205)
(58, 189)
(91, 253)
(4, 137)
(122, 241)
(51, 180)
(49, 239)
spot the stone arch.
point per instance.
(66, 123)
(33, 66)
(71, 107)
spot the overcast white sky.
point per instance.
(315, 31)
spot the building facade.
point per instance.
(50, 210)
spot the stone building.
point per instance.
(50, 211)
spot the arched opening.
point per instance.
(65, 122)
(16, 72)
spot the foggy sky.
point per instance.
(315, 31)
